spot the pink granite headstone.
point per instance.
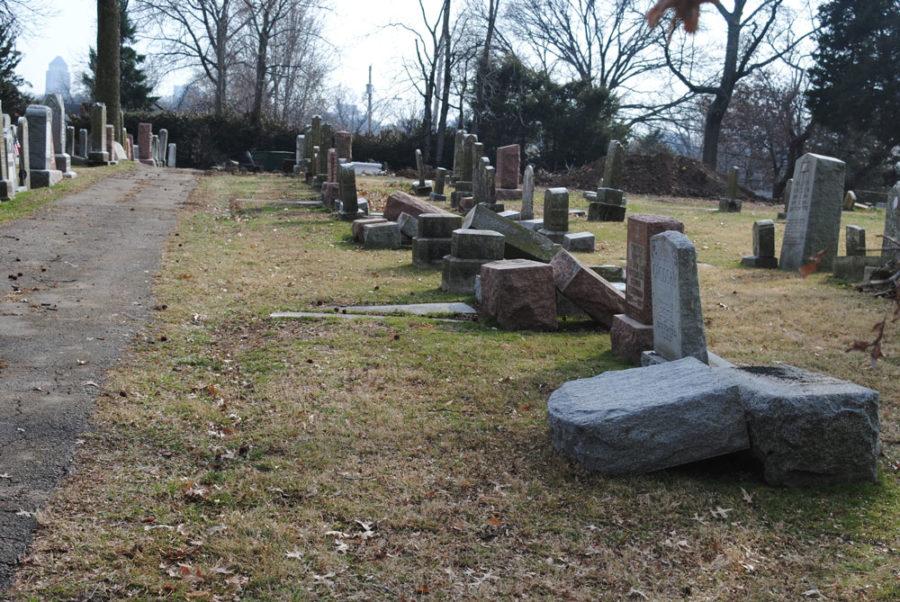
(145, 140)
(508, 163)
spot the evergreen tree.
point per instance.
(855, 88)
(14, 101)
(135, 90)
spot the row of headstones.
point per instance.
(313, 150)
(815, 200)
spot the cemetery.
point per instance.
(305, 373)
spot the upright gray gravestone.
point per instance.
(677, 314)
(890, 246)
(814, 217)
(154, 149)
(556, 214)
(614, 167)
(731, 203)
(25, 158)
(163, 147)
(83, 143)
(171, 155)
(528, 193)
(440, 182)
(856, 241)
(40, 139)
(62, 158)
(327, 142)
(70, 141)
(99, 152)
(8, 184)
(489, 184)
(299, 153)
(349, 200)
(421, 187)
(459, 153)
(763, 246)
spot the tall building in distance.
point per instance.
(59, 81)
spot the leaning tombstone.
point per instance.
(678, 330)
(509, 161)
(440, 181)
(527, 212)
(556, 214)
(763, 246)
(41, 157)
(814, 218)
(731, 203)
(421, 187)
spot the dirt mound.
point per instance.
(661, 174)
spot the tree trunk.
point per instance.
(484, 65)
(262, 59)
(712, 129)
(445, 90)
(107, 87)
(221, 60)
(427, 120)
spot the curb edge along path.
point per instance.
(87, 263)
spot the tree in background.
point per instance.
(136, 90)
(108, 73)
(14, 101)
(855, 92)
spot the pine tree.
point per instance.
(855, 88)
(136, 92)
(14, 101)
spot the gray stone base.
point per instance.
(428, 252)
(509, 194)
(651, 358)
(557, 237)
(730, 205)
(63, 163)
(579, 242)
(533, 224)
(385, 235)
(42, 178)
(853, 269)
(459, 274)
(768, 263)
(356, 228)
(98, 158)
(513, 215)
(601, 212)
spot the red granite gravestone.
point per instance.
(641, 228)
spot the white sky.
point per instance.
(358, 30)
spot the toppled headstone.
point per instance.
(519, 294)
(763, 246)
(585, 288)
(647, 419)
(809, 429)
(409, 227)
(469, 250)
(520, 241)
(814, 217)
(400, 202)
(678, 330)
(853, 268)
(579, 242)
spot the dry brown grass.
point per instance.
(234, 456)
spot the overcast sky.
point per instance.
(359, 31)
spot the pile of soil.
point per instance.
(661, 174)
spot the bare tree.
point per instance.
(198, 33)
(483, 69)
(266, 20)
(758, 33)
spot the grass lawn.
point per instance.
(238, 456)
(26, 202)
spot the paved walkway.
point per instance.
(75, 283)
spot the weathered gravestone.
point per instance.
(556, 214)
(856, 241)
(731, 203)
(40, 140)
(299, 154)
(519, 294)
(8, 183)
(343, 143)
(614, 165)
(589, 291)
(763, 246)
(814, 217)
(70, 141)
(849, 201)
(154, 147)
(145, 143)
(520, 242)
(463, 183)
(469, 250)
(25, 161)
(440, 181)
(163, 146)
(83, 143)
(527, 212)
(421, 187)
(678, 330)
(349, 200)
(787, 198)
(99, 154)
(890, 246)
(434, 238)
(171, 155)
(459, 153)
(56, 104)
(509, 162)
